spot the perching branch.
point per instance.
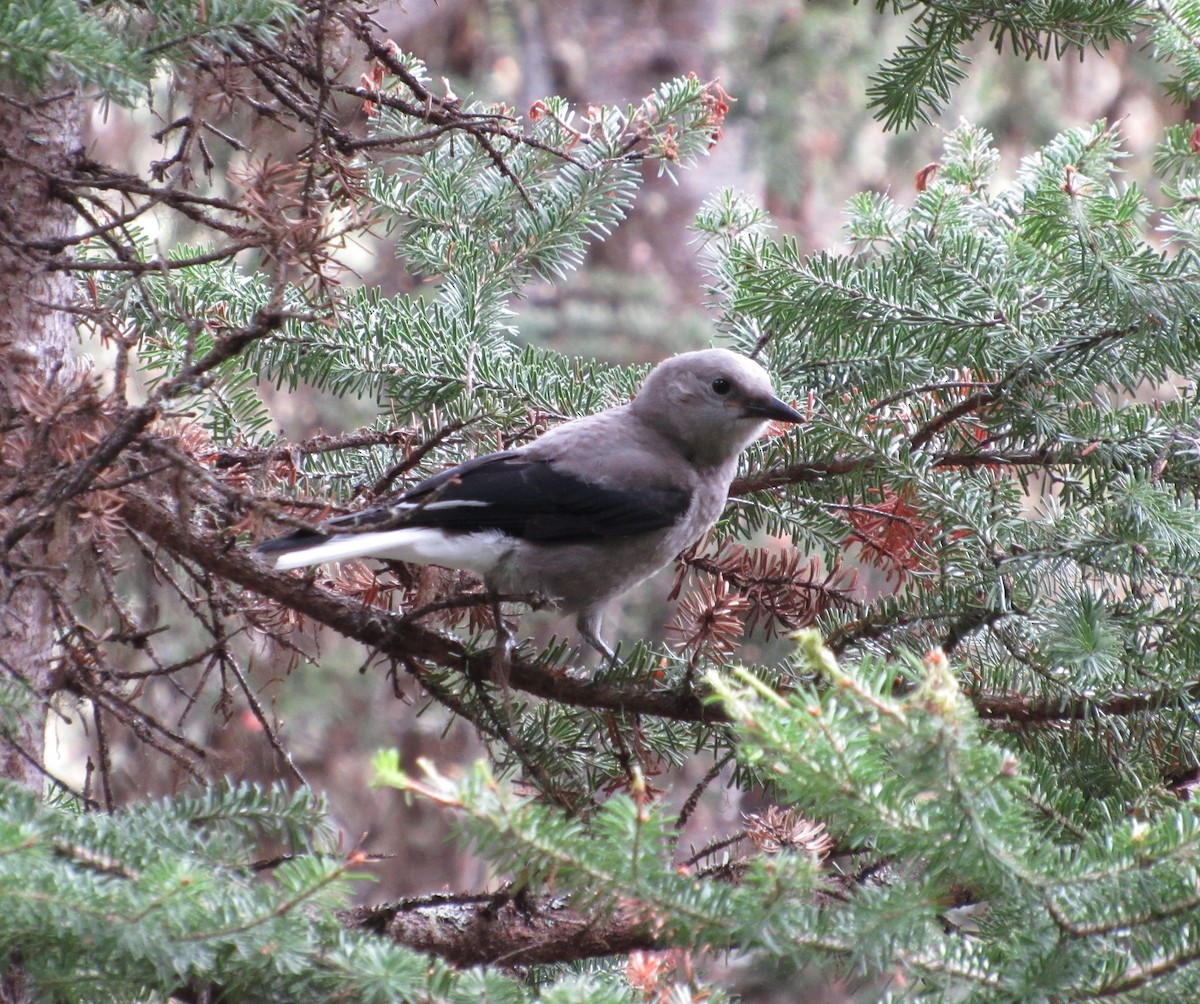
(495, 930)
(393, 635)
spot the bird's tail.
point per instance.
(419, 545)
(305, 547)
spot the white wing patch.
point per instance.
(448, 504)
(475, 552)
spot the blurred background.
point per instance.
(799, 139)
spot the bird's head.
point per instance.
(714, 403)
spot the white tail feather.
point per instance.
(476, 552)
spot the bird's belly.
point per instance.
(478, 552)
(580, 576)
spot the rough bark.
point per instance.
(479, 931)
(38, 369)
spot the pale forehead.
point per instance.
(719, 362)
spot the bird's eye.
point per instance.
(722, 386)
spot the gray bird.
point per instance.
(584, 512)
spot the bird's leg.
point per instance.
(506, 643)
(588, 625)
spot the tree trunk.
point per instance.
(39, 370)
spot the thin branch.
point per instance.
(965, 407)
(1051, 710)
(693, 800)
(105, 758)
(1139, 976)
(260, 456)
(80, 476)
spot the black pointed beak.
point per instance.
(771, 408)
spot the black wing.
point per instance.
(526, 498)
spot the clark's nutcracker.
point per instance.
(584, 512)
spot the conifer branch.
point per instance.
(502, 930)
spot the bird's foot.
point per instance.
(607, 654)
(502, 654)
(517, 895)
(539, 601)
(504, 647)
